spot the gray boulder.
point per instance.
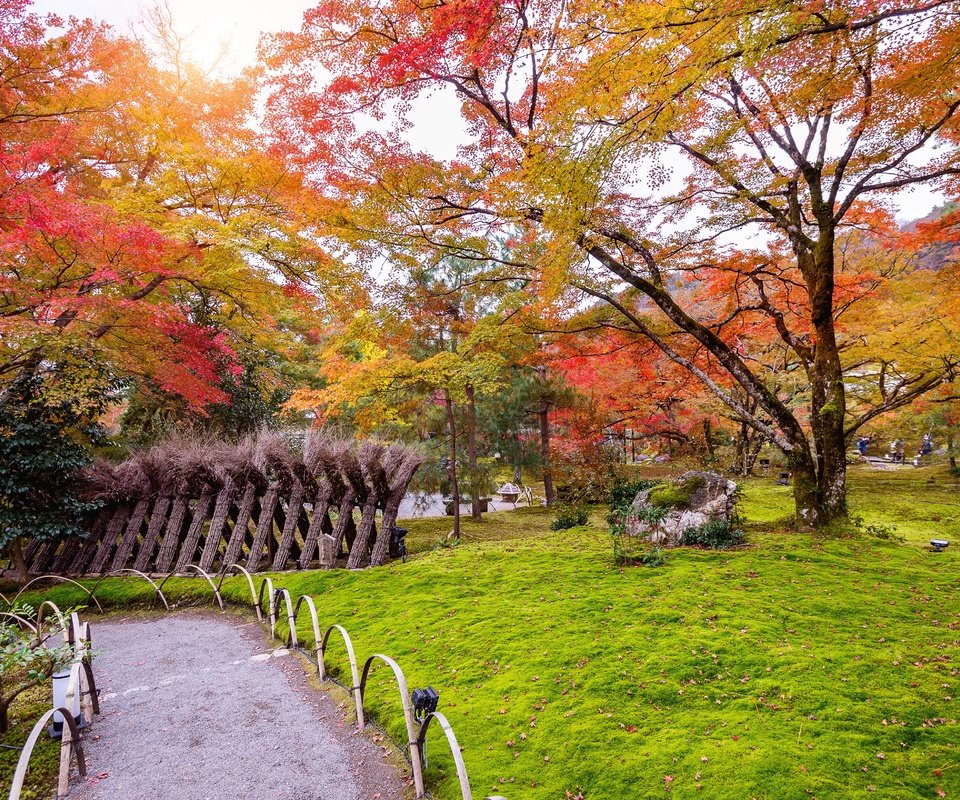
(662, 513)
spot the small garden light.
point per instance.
(398, 544)
(61, 681)
(424, 702)
(939, 545)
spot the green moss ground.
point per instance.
(798, 666)
(45, 762)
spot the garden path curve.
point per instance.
(199, 707)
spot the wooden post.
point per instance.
(240, 529)
(189, 548)
(157, 519)
(168, 547)
(264, 526)
(217, 525)
(328, 550)
(294, 510)
(109, 541)
(320, 506)
(122, 555)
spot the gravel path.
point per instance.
(199, 707)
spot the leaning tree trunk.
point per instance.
(454, 488)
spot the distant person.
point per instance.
(899, 451)
(862, 444)
(926, 448)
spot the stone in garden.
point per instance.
(662, 513)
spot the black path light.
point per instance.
(939, 545)
(398, 544)
(424, 702)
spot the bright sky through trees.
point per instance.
(211, 24)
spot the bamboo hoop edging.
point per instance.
(354, 672)
(291, 619)
(20, 619)
(21, 770)
(444, 724)
(79, 635)
(272, 613)
(64, 626)
(199, 571)
(253, 594)
(129, 571)
(416, 739)
(60, 579)
(416, 759)
(316, 628)
(71, 744)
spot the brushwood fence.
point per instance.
(255, 504)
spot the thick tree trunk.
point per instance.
(740, 450)
(454, 487)
(828, 401)
(806, 493)
(19, 564)
(548, 490)
(753, 450)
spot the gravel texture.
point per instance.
(200, 707)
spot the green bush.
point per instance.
(624, 490)
(569, 517)
(718, 534)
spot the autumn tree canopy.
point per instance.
(142, 223)
(699, 169)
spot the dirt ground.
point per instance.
(197, 706)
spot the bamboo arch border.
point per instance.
(416, 737)
(71, 745)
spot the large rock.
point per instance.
(662, 513)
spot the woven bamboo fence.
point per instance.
(256, 504)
